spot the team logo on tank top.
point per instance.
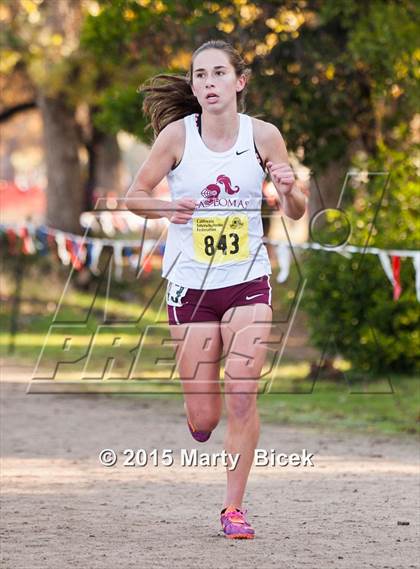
(211, 194)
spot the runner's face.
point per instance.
(214, 74)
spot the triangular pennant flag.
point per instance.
(118, 260)
(416, 261)
(28, 246)
(42, 237)
(105, 218)
(95, 255)
(11, 238)
(386, 265)
(396, 266)
(283, 259)
(88, 258)
(134, 260)
(52, 242)
(78, 254)
(147, 264)
(62, 251)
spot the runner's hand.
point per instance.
(182, 210)
(282, 176)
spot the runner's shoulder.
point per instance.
(264, 131)
(174, 131)
(173, 138)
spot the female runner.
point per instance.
(218, 292)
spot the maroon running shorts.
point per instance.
(187, 305)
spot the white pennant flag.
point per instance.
(31, 239)
(386, 265)
(105, 218)
(62, 252)
(94, 255)
(118, 260)
(283, 259)
(416, 262)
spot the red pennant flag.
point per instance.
(396, 266)
(51, 240)
(78, 255)
(147, 265)
(11, 238)
(26, 244)
(73, 249)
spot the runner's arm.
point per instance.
(139, 198)
(294, 202)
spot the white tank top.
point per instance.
(221, 245)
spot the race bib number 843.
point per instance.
(221, 239)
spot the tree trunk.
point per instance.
(325, 187)
(104, 167)
(108, 166)
(61, 144)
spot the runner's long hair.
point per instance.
(170, 97)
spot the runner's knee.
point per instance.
(204, 419)
(240, 405)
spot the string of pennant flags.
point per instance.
(78, 250)
(390, 260)
(85, 251)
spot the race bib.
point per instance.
(221, 239)
(175, 293)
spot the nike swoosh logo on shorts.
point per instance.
(238, 153)
(253, 296)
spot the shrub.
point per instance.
(352, 299)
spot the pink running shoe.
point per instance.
(200, 436)
(235, 525)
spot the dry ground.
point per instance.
(62, 509)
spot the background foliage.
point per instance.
(339, 78)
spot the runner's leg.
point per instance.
(244, 330)
(198, 360)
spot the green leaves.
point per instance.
(372, 331)
(121, 110)
(386, 40)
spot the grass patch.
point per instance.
(381, 404)
(389, 407)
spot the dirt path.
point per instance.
(61, 508)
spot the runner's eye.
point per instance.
(199, 75)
